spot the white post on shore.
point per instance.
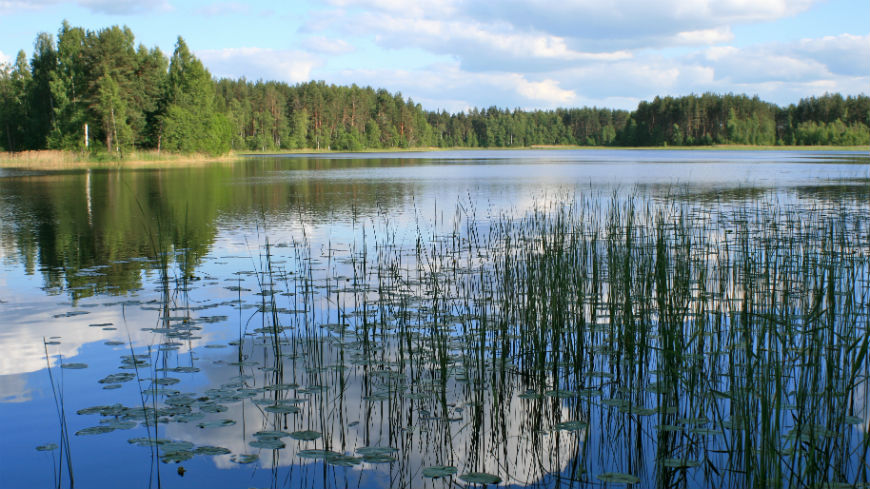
(86, 135)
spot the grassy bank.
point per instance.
(714, 147)
(65, 160)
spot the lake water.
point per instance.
(549, 318)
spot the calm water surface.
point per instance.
(293, 294)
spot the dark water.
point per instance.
(210, 274)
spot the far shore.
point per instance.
(68, 160)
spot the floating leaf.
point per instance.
(211, 450)
(216, 424)
(306, 435)
(74, 366)
(618, 478)
(437, 471)
(242, 458)
(480, 478)
(271, 434)
(678, 463)
(268, 443)
(572, 426)
(281, 409)
(176, 456)
(47, 447)
(95, 430)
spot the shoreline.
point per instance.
(68, 160)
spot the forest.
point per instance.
(98, 91)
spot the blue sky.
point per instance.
(457, 54)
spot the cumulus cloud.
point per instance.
(807, 60)
(269, 64)
(779, 72)
(845, 54)
(325, 45)
(589, 25)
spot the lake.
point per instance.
(634, 318)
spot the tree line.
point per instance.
(99, 91)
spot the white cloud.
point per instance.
(704, 36)
(807, 60)
(254, 63)
(4, 58)
(585, 25)
(546, 91)
(325, 45)
(845, 54)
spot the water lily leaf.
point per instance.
(480, 478)
(242, 458)
(437, 471)
(306, 435)
(117, 378)
(121, 424)
(268, 443)
(176, 456)
(679, 463)
(561, 394)
(271, 434)
(281, 409)
(216, 424)
(47, 447)
(572, 426)
(379, 458)
(74, 366)
(95, 430)
(174, 446)
(211, 450)
(315, 454)
(377, 451)
(618, 477)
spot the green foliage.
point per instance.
(126, 97)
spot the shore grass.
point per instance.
(66, 160)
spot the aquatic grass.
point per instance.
(65, 456)
(628, 340)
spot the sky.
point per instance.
(530, 54)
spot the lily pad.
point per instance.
(177, 456)
(211, 450)
(271, 434)
(618, 478)
(268, 443)
(679, 463)
(47, 447)
(480, 478)
(572, 426)
(437, 471)
(95, 430)
(74, 366)
(243, 458)
(216, 424)
(282, 409)
(306, 435)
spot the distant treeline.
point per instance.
(97, 89)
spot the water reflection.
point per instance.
(438, 308)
